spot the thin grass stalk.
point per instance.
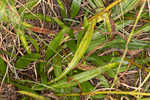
(128, 41)
(106, 92)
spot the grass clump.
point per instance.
(74, 49)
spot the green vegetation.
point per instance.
(74, 49)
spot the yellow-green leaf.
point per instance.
(80, 51)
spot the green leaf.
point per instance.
(43, 72)
(33, 95)
(99, 3)
(8, 53)
(134, 44)
(145, 99)
(75, 7)
(36, 17)
(87, 87)
(98, 96)
(98, 60)
(57, 65)
(20, 86)
(20, 32)
(107, 22)
(59, 22)
(62, 25)
(144, 28)
(96, 40)
(126, 5)
(71, 20)
(28, 6)
(100, 6)
(54, 44)
(79, 37)
(120, 25)
(84, 76)
(34, 42)
(2, 66)
(62, 8)
(79, 52)
(8, 13)
(25, 60)
(72, 45)
(102, 81)
(91, 3)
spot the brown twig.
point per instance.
(42, 30)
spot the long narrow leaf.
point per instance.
(125, 6)
(84, 76)
(54, 44)
(75, 7)
(100, 14)
(20, 32)
(62, 8)
(80, 51)
(57, 65)
(34, 42)
(28, 6)
(2, 66)
(33, 95)
(62, 25)
(37, 17)
(23, 61)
